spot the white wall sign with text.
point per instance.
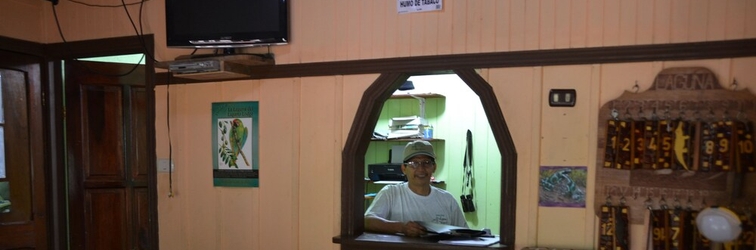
(409, 6)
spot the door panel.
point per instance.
(24, 225)
(106, 218)
(107, 156)
(102, 136)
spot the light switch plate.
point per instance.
(562, 97)
(162, 165)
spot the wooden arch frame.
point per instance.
(352, 205)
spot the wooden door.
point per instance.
(23, 214)
(110, 206)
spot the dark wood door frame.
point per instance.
(51, 74)
(55, 53)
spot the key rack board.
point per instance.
(685, 142)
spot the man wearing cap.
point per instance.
(397, 208)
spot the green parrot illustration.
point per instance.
(238, 137)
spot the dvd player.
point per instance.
(195, 66)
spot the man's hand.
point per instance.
(413, 229)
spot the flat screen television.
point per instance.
(226, 23)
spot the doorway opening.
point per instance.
(447, 109)
(359, 139)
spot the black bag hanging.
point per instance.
(467, 188)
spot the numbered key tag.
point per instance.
(677, 229)
(723, 145)
(747, 238)
(744, 147)
(665, 143)
(638, 146)
(625, 145)
(650, 141)
(614, 227)
(660, 229)
(706, 146)
(606, 226)
(610, 150)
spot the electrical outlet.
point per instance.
(162, 165)
(562, 97)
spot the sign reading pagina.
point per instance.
(235, 144)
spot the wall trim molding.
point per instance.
(443, 63)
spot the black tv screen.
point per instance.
(226, 23)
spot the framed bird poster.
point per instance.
(235, 144)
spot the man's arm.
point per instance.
(381, 225)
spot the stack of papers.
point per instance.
(438, 228)
(455, 239)
(404, 127)
(475, 241)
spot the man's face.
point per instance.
(419, 169)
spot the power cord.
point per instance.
(170, 145)
(62, 37)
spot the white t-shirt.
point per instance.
(399, 203)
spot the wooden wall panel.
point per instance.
(595, 23)
(346, 30)
(351, 16)
(547, 25)
(403, 38)
(750, 20)
(611, 23)
(417, 27)
(563, 23)
(171, 222)
(521, 110)
(320, 150)
(367, 36)
(736, 16)
(317, 15)
(503, 25)
(699, 21)
(680, 21)
(199, 199)
(279, 164)
(236, 208)
(341, 39)
(517, 27)
(628, 22)
(22, 19)
(645, 22)
(378, 28)
(716, 17)
(473, 26)
(488, 26)
(662, 21)
(532, 25)
(559, 147)
(578, 23)
(458, 11)
(445, 32)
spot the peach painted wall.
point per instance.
(304, 121)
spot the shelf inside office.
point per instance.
(406, 139)
(423, 95)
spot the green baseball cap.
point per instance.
(418, 147)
